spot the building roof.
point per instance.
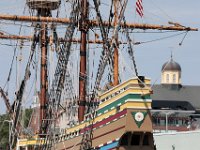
(186, 93)
(172, 105)
(171, 65)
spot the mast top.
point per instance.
(43, 4)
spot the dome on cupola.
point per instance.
(171, 73)
(171, 65)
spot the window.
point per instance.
(118, 109)
(154, 120)
(135, 139)
(146, 140)
(162, 122)
(174, 78)
(124, 139)
(167, 78)
(171, 121)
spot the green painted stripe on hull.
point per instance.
(122, 101)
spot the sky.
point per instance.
(187, 55)
(149, 56)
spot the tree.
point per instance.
(27, 117)
(4, 127)
(4, 131)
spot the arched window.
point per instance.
(167, 78)
(174, 78)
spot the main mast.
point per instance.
(43, 67)
(82, 75)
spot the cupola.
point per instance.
(171, 72)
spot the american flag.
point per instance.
(139, 7)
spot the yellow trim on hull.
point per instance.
(128, 104)
(136, 105)
(120, 95)
(25, 142)
(121, 86)
(99, 118)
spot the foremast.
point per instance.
(43, 9)
(116, 53)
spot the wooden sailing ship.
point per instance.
(118, 118)
(122, 120)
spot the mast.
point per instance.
(44, 17)
(82, 74)
(43, 10)
(116, 53)
(43, 70)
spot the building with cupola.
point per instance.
(171, 73)
(175, 106)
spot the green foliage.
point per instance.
(27, 117)
(4, 131)
(4, 127)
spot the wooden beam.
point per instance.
(29, 38)
(94, 23)
(15, 37)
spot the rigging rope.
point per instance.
(59, 78)
(130, 48)
(20, 93)
(158, 39)
(106, 55)
(11, 66)
(183, 38)
(107, 47)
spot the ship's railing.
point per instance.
(30, 141)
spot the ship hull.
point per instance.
(122, 121)
(115, 132)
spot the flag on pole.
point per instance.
(139, 7)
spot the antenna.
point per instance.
(171, 51)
